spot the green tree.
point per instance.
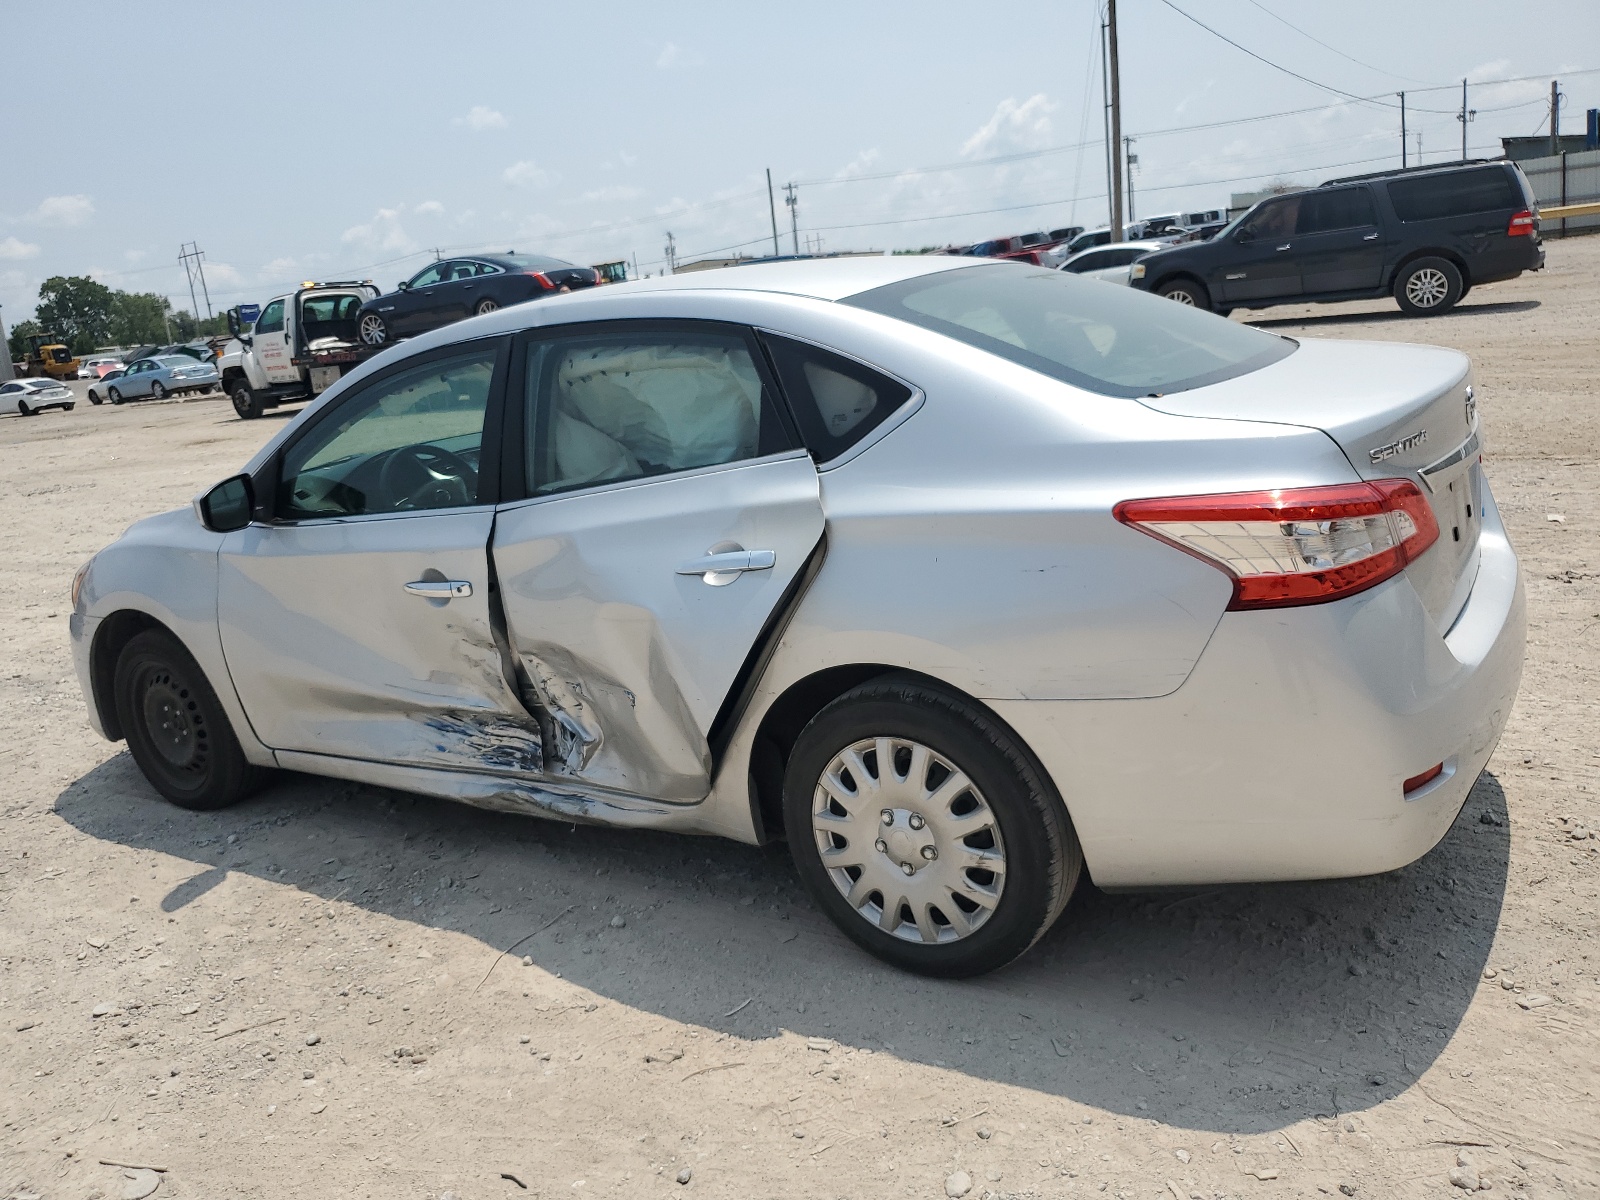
(17, 343)
(138, 318)
(77, 308)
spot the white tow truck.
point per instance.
(297, 345)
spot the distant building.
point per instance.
(1242, 201)
(1519, 148)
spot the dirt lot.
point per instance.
(304, 996)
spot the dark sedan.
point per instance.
(467, 287)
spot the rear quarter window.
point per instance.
(1453, 194)
(836, 401)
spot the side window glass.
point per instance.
(487, 269)
(271, 319)
(431, 275)
(1341, 208)
(836, 401)
(1274, 219)
(408, 443)
(628, 405)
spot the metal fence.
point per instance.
(1571, 178)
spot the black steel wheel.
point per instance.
(245, 401)
(176, 728)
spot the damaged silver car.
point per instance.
(962, 577)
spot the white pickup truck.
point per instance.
(299, 345)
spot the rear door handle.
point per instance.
(1285, 246)
(721, 569)
(1372, 237)
(440, 589)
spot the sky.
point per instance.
(299, 140)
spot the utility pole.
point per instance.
(793, 201)
(1555, 118)
(1403, 163)
(1116, 121)
(1105, 116)
(671, 253)
(772, 209)
(192, 257)
(1132, 161)
(6, 373)
(1466, 114)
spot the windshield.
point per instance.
(532, 262)
(1111, 340)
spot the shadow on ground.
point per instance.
(1394, 314)
(1235, 1009)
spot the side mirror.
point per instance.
(233, 322)
(1244, 235)
(227, 506)
(403, 286)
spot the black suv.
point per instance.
(1424, 236)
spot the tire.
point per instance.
(1187, 291)
(157, 391)
(245, 401)
(94, 399)
(69, 407)
(114, 395)
(373, 330)
(485, 306)
(176, 728)
(1426, 287)
(23, 410)
(1010, 811)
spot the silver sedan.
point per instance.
(965, 578)
(162, 376)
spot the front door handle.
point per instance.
(440, 589)
(723, 568)
(1285, 246)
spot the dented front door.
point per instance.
(632, 609)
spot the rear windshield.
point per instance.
(1453, 194)
(1112, 340)
(533, 262)
(177, 360)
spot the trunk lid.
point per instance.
(1397, 411)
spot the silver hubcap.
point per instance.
(1181, 297)
(1427, 287)
(372, 330)
(486, 306)
(908, 840)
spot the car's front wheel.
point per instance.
(374, 330)
(1187, 291)
(245, 401)
(176, 728)
(23, 410)
(115, 396)
(925, 830)
(1427, 287)
(94, 398)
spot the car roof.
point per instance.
(818, 278)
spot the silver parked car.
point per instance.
(35, 394)
(162, 376)
(1110, 264)
(964, 577)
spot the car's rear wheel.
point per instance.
(115, 396)
(1187, 291)
(1427, 287)
(175, 726)
(68, 407)
(374, 330)
(245, 401)
(925, 830)
(157, 392)
(485, 306)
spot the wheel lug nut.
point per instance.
(930, 853)
(916, 821)
(888, 816)
(881, 846)
(908, 868)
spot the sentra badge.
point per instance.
(1410, 442)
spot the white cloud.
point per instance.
(13, 249)
(526, 174)
(383, 232)
(613, 194)
(63, 210)
(481, 117)
(429, 208)
(1013, 126)
(674, 56)
(858, 165)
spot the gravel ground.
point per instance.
(306, 996)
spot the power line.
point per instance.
(1335, 49)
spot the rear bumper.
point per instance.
(1284, 753)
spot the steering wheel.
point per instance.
(426, 476)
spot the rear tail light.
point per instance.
(1521, 224)
(542, 280)
(1295, 545)
(1427, 777)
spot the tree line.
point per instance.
(84, 313)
